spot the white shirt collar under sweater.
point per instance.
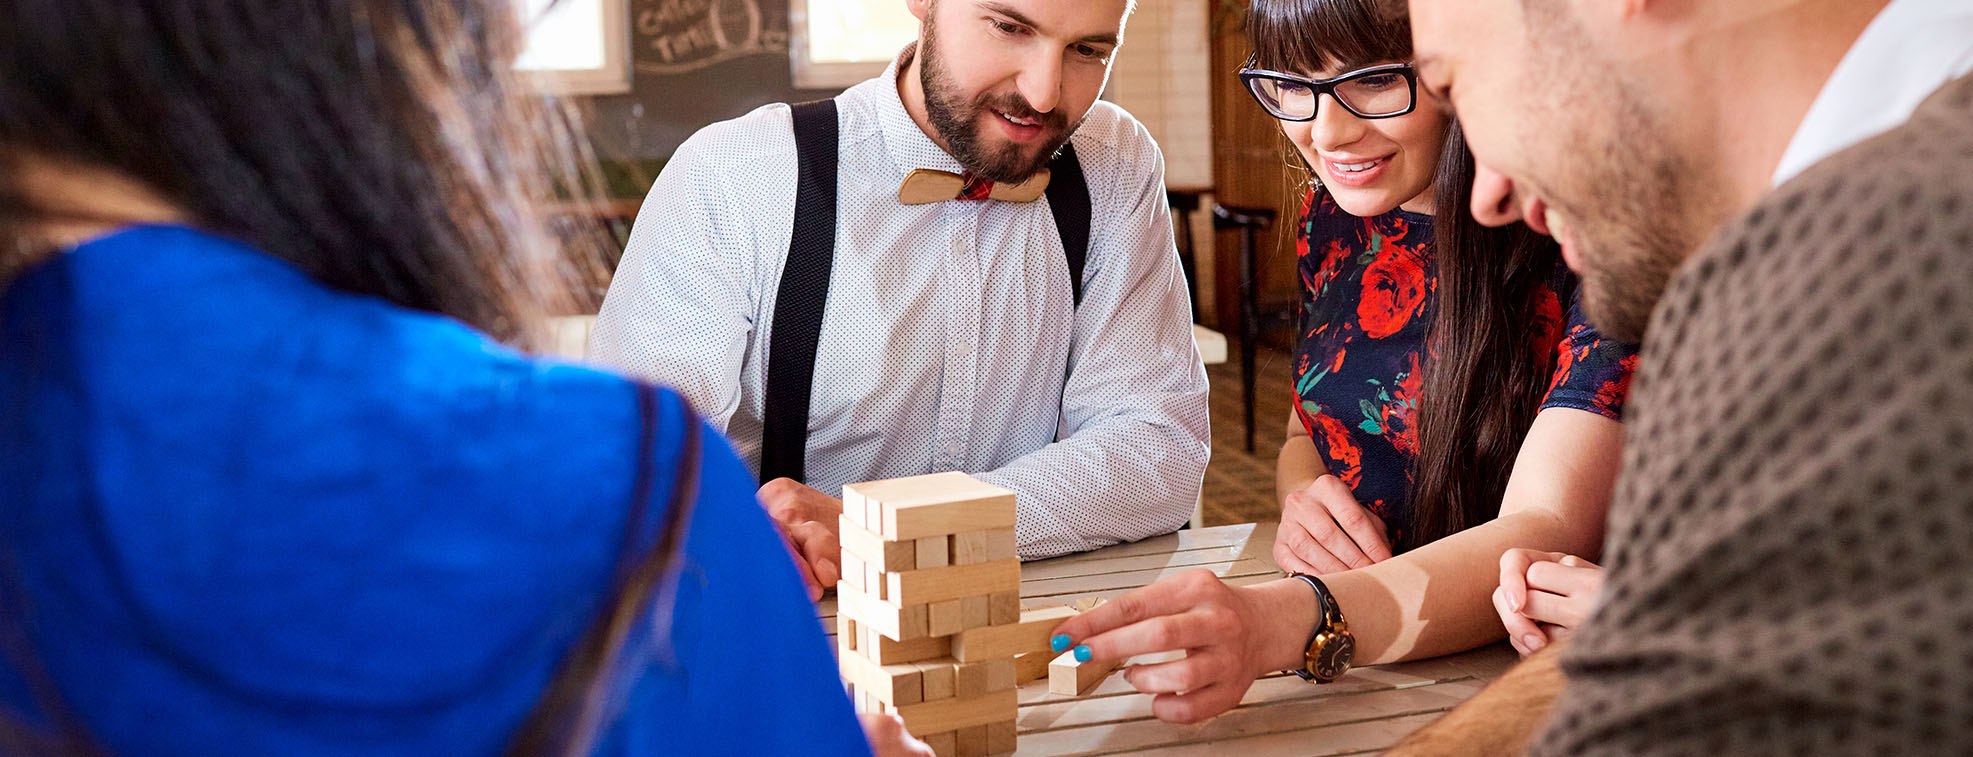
(1908, 51)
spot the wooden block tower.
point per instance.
(929, 609)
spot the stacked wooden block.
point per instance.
(929, 609)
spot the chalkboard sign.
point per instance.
(694, 62)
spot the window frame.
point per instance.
(612, 78)
(810, 74)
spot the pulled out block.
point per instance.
(1067, 677)
(1029, 635)
(937, 504)
(953, 582)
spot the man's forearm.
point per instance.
(1502, 718)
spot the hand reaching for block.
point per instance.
(1230, 636)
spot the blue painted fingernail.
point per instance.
(1059, 643)
(1082, 654)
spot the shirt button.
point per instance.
(960, 245)
(964, 348)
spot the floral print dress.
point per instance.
(1368, 287)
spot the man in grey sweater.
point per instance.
(1777, 197)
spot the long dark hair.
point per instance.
(1483, 378)
(385, 147)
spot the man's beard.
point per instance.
(958, 122)
(1639, 206)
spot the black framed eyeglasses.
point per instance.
(1385, 91)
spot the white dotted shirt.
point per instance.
(950, 340)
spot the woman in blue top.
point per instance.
(268, 485)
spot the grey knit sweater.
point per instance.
(1791, 543)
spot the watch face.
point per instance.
(1338, 651)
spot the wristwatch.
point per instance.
(1331, 648)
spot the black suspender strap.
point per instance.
(1068, 199)
(804, 286)
(803, 292)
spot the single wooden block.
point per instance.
(976, 678)
(897, 622)
(885, 651)
(1003, 608)
(1031, 666)
(942, 744)
(983, 546)
(955, 713)
(893, 684)
(973, 613)
(1069, 678)
(1029, 635)
(854, 573)
(934, 551)
(946, 618)
(924, 585)
(855, 508)
(940, 678)
(972, 741)
(934, 505)
(1001, 737)
(871, 549)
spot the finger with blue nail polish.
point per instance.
(1059, 643)
(1082, 654)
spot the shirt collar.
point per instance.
(1911, 49)
(907, 144)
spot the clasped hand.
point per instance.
(1544, 596)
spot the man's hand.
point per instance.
(1544, 596)
(1323, 530)
(808, 519)
(1231, 636)
(889, 739)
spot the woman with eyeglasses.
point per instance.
(1456, 428)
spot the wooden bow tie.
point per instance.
(926, 185)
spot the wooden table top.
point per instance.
(1370, 709)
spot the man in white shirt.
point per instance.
(952, 336)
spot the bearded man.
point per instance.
(964, 264)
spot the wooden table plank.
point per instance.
(1362, 737)
(1130, 734)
